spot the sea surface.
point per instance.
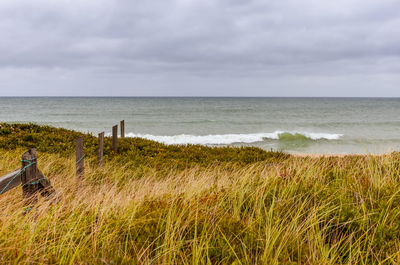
(296, 125)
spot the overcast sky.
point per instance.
(200, 48)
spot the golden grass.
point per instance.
(302, 210)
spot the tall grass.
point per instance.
(296, 210)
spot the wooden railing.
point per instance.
(31, 179)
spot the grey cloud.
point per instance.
(157, 43)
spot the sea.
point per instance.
(293, 125)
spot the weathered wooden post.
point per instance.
(123, 129)
(29, 176)
(100, 155)
(114, 138)
(80, 165)
(32, 180)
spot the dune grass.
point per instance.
(270, 209)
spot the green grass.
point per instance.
(157, 204)
(134, 151)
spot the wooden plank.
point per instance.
(80, 165)
(123, 129)
(115, 138)
(100, 154)
(10, 181)
(29, 175)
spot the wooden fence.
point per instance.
(33, 181)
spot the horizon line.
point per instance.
(337, 97)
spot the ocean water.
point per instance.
(296, 125)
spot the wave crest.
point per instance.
(222, 139)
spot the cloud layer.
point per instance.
(200, 47)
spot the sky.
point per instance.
(200, 48)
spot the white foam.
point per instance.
(216, 139)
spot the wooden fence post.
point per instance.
(80, 165)
(29, 176)
(114, 138)
(123, 129)
(100, 154)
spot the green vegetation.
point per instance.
(136, 151)
(157, 204)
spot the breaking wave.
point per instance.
(221, 139)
